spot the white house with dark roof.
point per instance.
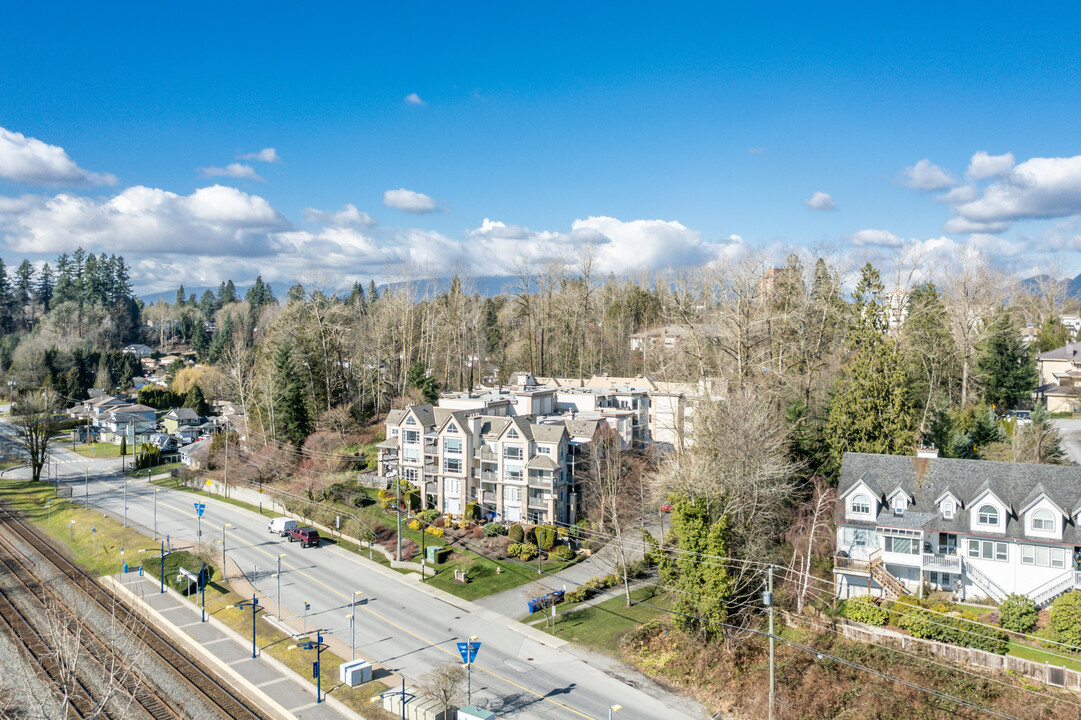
(1060, 378)
(985, 528)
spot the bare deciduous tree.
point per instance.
(36, 422)
(443, 684)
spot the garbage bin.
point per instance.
(433, 553)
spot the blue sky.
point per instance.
(666, 134)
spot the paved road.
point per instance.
(403, 625)
(1070, 430)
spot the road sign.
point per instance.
(199, 508)
(315, 669)
(468, 651)
(209, 483)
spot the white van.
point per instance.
(281, 525)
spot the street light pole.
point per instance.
(86, 489)
(156, 491)
(352, 625)
(614, 709)
(202, 588)
(125, 503)
(278, 575)
(469, 669)
(224, 574)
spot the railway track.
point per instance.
(201, 680)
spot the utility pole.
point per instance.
(226, 462)
(86, 489)
(769, 596)
(398, 505)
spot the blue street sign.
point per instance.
(315, 669)
(199, 508)
(468, 651)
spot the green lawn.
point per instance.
(603, 626)
(1028, 652)
(155, 470)
(99, 450)
(175, 484)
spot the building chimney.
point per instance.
(927, 452)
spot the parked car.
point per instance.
(1021, 417)
(281, 525)
(306, 536)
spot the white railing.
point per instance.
(992, 588)
(946, 563)
(1055, 587)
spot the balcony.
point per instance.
(540, 482)
(539, 503)
(849, 564)
(942, 563)
(431, 468)
(485, 475)
(487, 455)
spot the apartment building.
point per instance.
(983, 529)
(514, 468)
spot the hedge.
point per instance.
(1018, 613)
(864, 609)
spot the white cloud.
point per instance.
(925, 176)
(232, 170)
(756, 150)
(1037, 188)
(820, 201)
(29, 160)
(409, 201)
(983, 166)
(267, 155)
(348, 217)
(959, 194)
(414, 99)
(212, 221)
(879, 238)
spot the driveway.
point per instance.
(1070, 431)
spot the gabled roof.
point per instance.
(542, 462)
(928, 480)
(424, 413)
(549, 433)
(1069, 351)
(181, 413)
(395, 417)
(1035, 496)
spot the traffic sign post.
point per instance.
(199, 509)
(468, 650)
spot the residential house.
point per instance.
(1060, 378)
(139, 351)
(1072, 323)
(978, 528)
(132, 421)
(177, 418)
(195, 455)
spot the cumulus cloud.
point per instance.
(347, 217)
(414, 99)
(409, 201)
(29, 160)
(212, 221)
(232, 170)
(983, 166)
(925, 176)
(879, 238)
(267, 155)
(820, 201)
(1037, 188)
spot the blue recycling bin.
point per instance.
(125, 568)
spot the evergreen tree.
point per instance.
(5, 299)
(931, 356)
(196, 400)
(373, 293)
(703, 586)
(208, 304)
(180, 297)
(295, 294)
(1039, 441)
(259, 294)
(356, 297)
(418, 377)
(1007, 367)
(44, 292)
(65, 280)
(200, 340)
(493, 333)
(292, 419)
(104, 379)
(121, 279)
(24, 283)
(226, 293)
(1051, 334)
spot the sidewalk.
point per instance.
(261, 679)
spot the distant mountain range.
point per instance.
(487, 286)
(1032, 285)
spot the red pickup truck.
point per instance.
(306, 536)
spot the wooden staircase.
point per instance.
(891, 585)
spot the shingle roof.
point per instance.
(182, 413)
(926, 479)
(542, 462)
(548, 433)
(1069, 351)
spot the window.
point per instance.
(899, 505)
(513, 473)
(947, 509)
(452, 465)
(411, 436)
(544, 450)
(452, 428)
(987, 550)
(988, 515)
(452, 486)
(904, 546)
(1043, 520)
(411, 453)
(452, 445)
(512, 495)
(861, 505)
(513, 434)
(394, 432)
(1043, 556)
(410, 420)
(512, 452)
(409, 474)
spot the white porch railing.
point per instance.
(1056, 586)
(942, 563)
(988, 585)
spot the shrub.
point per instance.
(982, 637)
(580, 595)
(493, 528)
(516, 533)
(1018, 613)
(530, 536)
(1066, 618)
(434, 531)
(513, 549)
(414, 524)
(562, 552)
(439, 522)
(527, 551)
(546, 537)
(428, 515)
(865, 609)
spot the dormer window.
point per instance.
(1043, 520)
(898, 505)
(947, 510)
(988, 515)
(861, 505)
